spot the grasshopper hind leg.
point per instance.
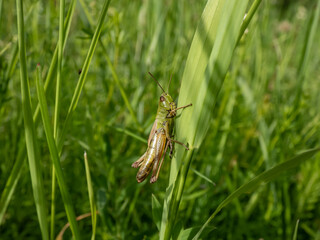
(138, 163)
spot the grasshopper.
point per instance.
(160, 138)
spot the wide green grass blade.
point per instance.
(16, 170)
(207, 64)
(30, 133)
(264, 177)
(93, 206)
(55, 157)
(202, 80)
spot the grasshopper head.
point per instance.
(167, 107)
(167, 104)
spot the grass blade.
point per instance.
(264, 177)
(30, 134)
(55, 157)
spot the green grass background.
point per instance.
(266, 112)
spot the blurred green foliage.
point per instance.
(265, 114)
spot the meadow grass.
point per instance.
(253, 130)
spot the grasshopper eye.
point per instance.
(162, 98)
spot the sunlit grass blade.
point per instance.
(264, 177)
(55, 156)
(84, 72)
(16, 170)
(207, 64)
(93, 206)
(30, 133)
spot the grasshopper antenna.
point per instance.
(156, 81)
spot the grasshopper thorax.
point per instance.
(167, 106)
